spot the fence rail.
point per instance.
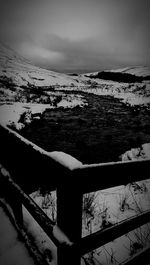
(70, 185)
(107, 175)
(100, 238)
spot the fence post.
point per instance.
(69, 216)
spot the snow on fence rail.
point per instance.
(32, 167)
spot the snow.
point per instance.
(41, 240)
(136, 70)
(22, 72)
(131, 94)
(73, 103)
(63, 158)
(12, 250)
(111, 206)
(142, 152)
(10, 113)
(134, 100)
(108, 206)
(122, 91)
(66, 160)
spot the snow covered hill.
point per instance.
(20, 81)
(23, 73)
(17, 75)
(137, 70)
(130, 84)
(28, 90)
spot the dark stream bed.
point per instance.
(99, 132)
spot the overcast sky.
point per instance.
(79, 35)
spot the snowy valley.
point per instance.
(20, 81)
(28, 92)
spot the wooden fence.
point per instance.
(31, 168)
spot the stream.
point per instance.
(99, 132)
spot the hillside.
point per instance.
(131, 85)
(141, 71)
(22, 82)
(137, 74)
(29, 90)
(19, 71)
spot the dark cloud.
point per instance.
(77, 55)
(68, 35)
(89, 54)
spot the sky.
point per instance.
(79, 35)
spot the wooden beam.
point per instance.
(107, 175)
(22, 158)
(142, 257)
(100, 238)
(69, 218)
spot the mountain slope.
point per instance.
(21, 81)
(137, 70)
(26, 91)
(23, 73)
(136, 74)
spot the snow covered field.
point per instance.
(132, 95)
